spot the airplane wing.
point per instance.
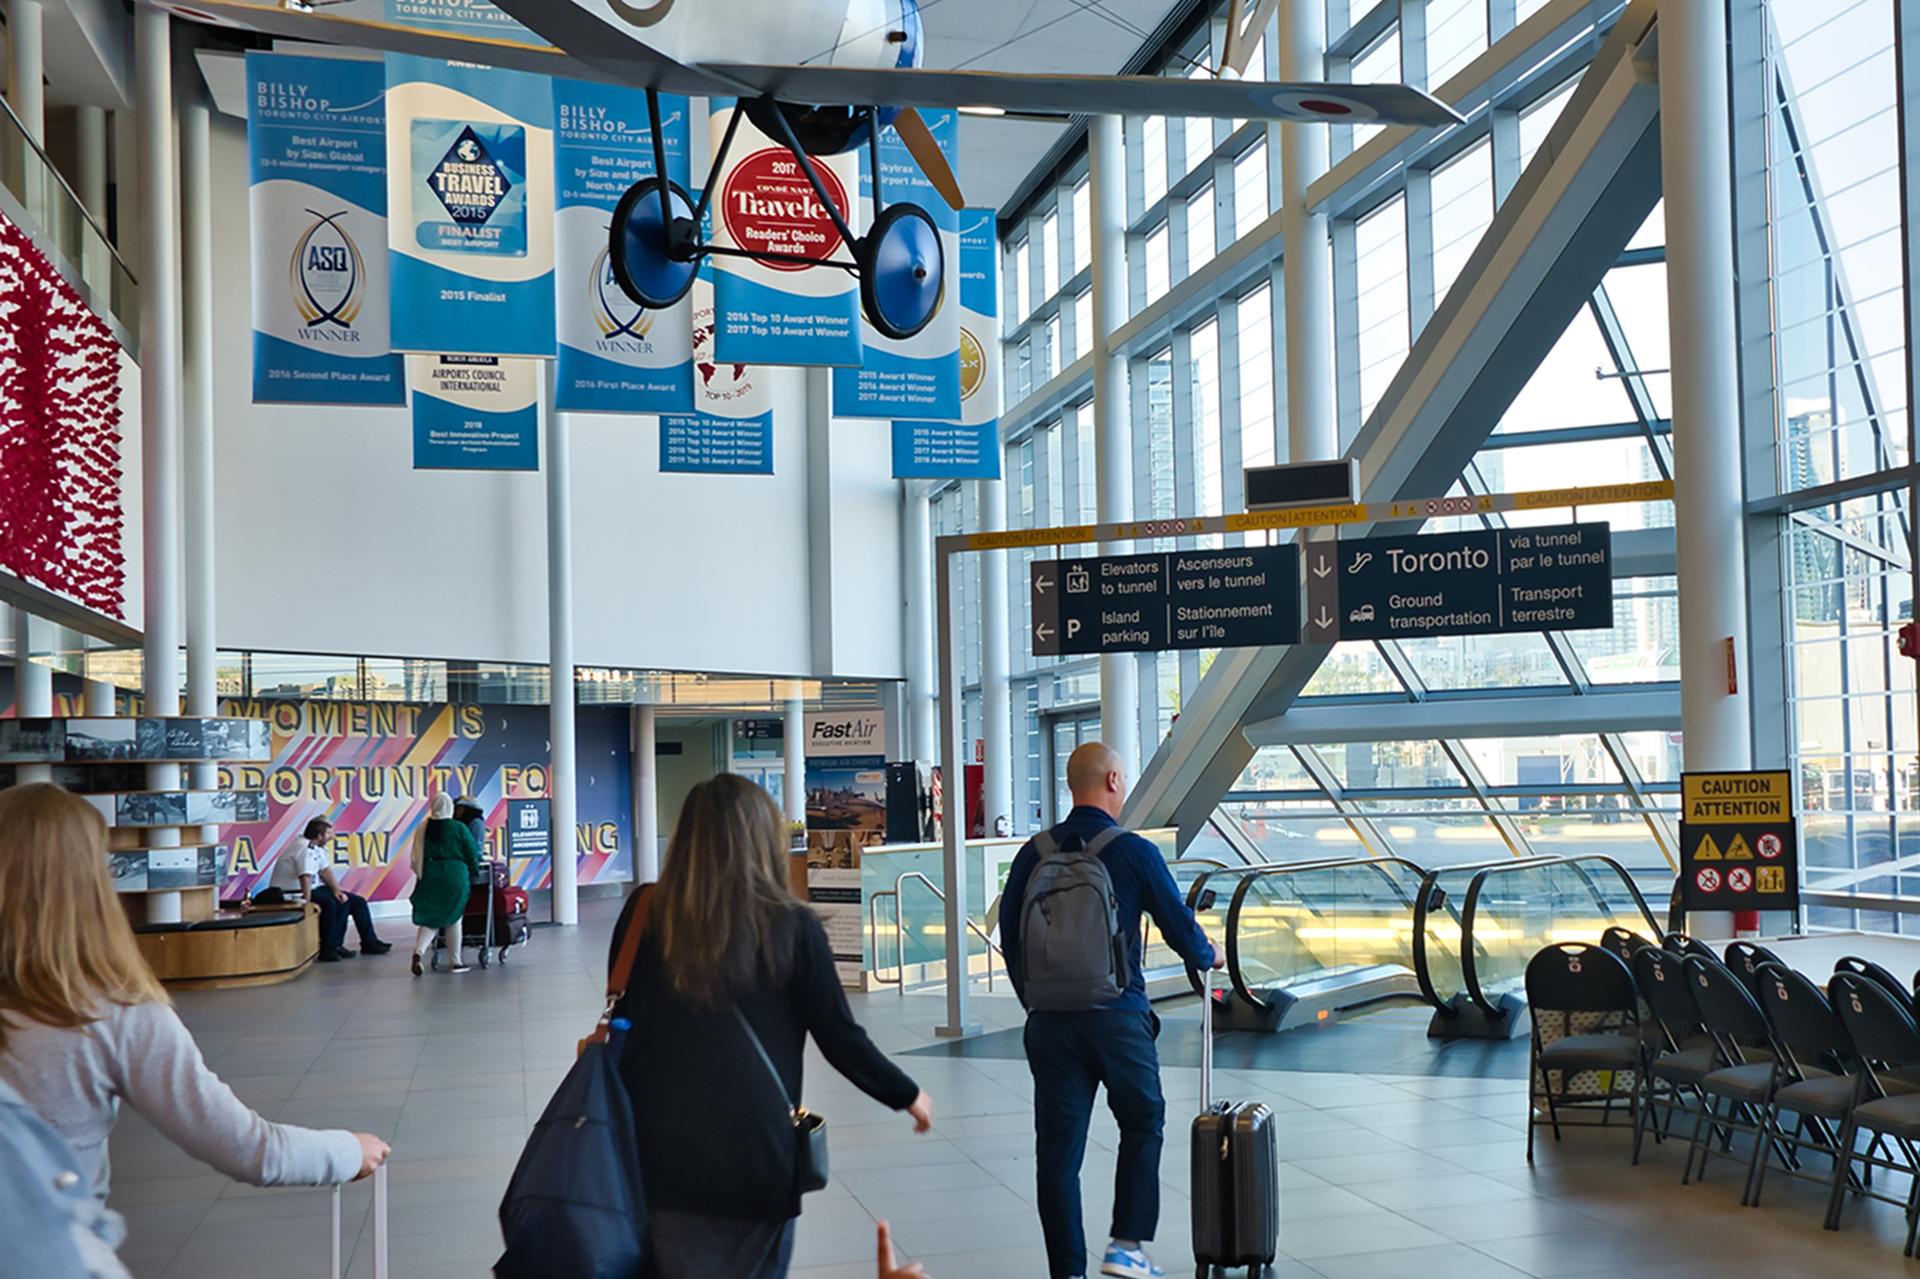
(1095, 94)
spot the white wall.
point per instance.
(330, 542)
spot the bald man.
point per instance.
(1071, 1053)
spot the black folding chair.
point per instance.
(1734, 1021)
(1681, 944)
(1579, 977)
(1883, 1032)
(1683, 1054)
(1858, 967)
(1814, 1080)
(1745, 959)
(1622, 942)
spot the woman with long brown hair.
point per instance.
(84, 1025)
(729, 957)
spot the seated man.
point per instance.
(306, 869)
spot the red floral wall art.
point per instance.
(60, 515)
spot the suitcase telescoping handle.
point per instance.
(1206, 1039)
(379, 1226)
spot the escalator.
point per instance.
(1476, 927)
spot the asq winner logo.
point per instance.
(615, 314)
(327, 278)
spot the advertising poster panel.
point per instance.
(968, 448)
(317, 223)
(474, 413)
(614, 356)
(780, 312)
(371, 768)
(470, 200)
(846, 811)
(916, 377)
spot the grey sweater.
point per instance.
(143, 1054)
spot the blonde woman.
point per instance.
(85, 1027)
(732, 975)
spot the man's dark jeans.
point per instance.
(334, 915)
(1071, 1054)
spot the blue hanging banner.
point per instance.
(780, 312)
(460, 17)
(614, 356)
(970, 447)
(730, 430)
(470, 198)
(317, 221)
(918, 376)
(474, 413)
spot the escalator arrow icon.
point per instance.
(1323, 620)
(1320, 566)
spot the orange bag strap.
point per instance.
(622, 971)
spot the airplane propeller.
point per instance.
(926, 152)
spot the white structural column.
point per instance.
(1709, 512)
(90, 147)
(196, 258)
(561, 778)
(917, 528)
(793, 739)
(646, 795)
(159, 399)
(1112, 424)
(996, 711)
(33, 683)
(1307, 267)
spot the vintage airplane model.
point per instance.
(822, 77)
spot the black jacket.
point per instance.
(713, 1130)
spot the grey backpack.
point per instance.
(1072, 956)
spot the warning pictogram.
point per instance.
(1769, 845)
(1740, 879)
(1738, 851)
(1708, 850)
(1708, 878)
(1773, 879)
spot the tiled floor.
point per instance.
(1383, 1175)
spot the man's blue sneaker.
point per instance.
(1125, 1263)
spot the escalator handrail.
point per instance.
(1234, 974)
(1469, 972)
(1422, 966)
(1245, 873)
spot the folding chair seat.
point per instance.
(1578, 977)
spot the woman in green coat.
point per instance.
(445, 863)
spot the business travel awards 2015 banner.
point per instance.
(469, 193)
(614, 356)
(970, 447)
(780, 312)
(916, 377)
(317, 217)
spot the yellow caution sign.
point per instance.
(1708, 850)
(1736, 799)
(1773, 879)
(1738, 851)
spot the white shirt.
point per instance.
(303, 858)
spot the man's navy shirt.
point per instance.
(1141, 881)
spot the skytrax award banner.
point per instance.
(614, 356)
(470, 204)
(919, 376)
(969, 448)
(730, 431)
(317, 220)
(474, 413)
(780, 312)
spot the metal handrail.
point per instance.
(1234, 974)
(1422, 966)
(1469, 971)
(900, 931)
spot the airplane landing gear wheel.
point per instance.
(651, 249)
(903, 271)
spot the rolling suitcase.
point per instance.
(1236, 1173)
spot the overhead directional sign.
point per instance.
(1487, 581)
(1739, 845)
(1242, 598)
